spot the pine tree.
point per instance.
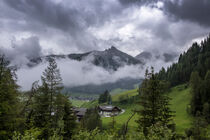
(154, 104)
(196, 101)
(51, 76)
(8, 100)
(41, 111)
(105, 98)
(207, 87)
(69, 121)
(91, 120)
(48, 108)
(199, 128)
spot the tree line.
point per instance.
(196, 58)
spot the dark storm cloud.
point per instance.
(69, 24)
(193, 10)
(46, 12)
(71, 18)
(64, 16)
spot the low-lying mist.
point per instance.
(78, 73)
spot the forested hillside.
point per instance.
(196, 58)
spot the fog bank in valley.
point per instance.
(77, 73)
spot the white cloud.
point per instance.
(76, 73)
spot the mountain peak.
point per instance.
(113, 48)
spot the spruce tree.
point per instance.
(105, 98)
(52, 111)
(199, 128)
(52, 78)
(91, 120)
(153, 102)
(69, 121)
(48, 108)
(8, 100)
(41, 111)
(196, 101)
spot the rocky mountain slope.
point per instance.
(110, 59)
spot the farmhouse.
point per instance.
(108, 111)
(80, 112)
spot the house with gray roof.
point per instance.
(109, 110)
(80, 112)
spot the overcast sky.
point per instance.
(39, 27)
(33, 28)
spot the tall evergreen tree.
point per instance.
(49, 103)
(52, 111)
(52, 78)
(199, 128)
(41, 111)
(196, 101)
(105, 97)
(91, 120)
(69, 121)
(154, 103)
(8, 100)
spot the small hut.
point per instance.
(108, 111)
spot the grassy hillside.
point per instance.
(90, 104)
(129, 93)
(180, 100)
(121, 119)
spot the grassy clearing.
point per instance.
(180, 100)
(121, 119)
(117, 91)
